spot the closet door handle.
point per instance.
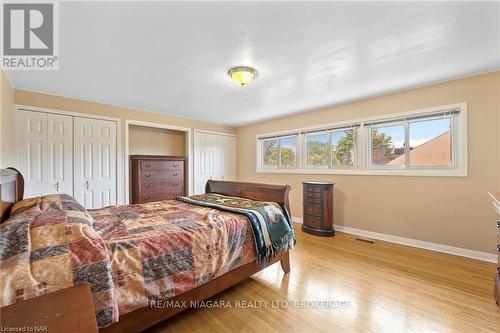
(57, 186)
(87, 185)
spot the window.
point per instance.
(412, 143)
(270, 153)
(317, 150)
(331, 149)
(288, 151)
(343, 148)
(387, 145)
(279, 152)
(430, 142)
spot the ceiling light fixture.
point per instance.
(242, 75)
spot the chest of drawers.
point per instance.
(318, 208)
(155, 178)
(496, 205)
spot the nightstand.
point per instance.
(67, 310)
(496, 204)
(318, 208)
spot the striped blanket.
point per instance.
(271, 223)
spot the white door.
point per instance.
(32, 152)
(226, 151)
(95, 162)
(60, 153)
(105, 176)
(45, 152)
(214, 158)
(205, 146)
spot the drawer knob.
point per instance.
(148, 165)
(147, 186)
(175, 174)
(175, 165)
(148, 197)
(174, 185)
(148, 175)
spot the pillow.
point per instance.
(24, 205)
(74, 211)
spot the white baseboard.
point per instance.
(458, 251)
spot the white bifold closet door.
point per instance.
(214, 158)
(226, 151)
(45, 153)
(95, 162)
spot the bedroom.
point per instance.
(168, 155)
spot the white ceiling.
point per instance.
(173, 57)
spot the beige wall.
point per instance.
(445, 210)
(156, 141)
(7, 147)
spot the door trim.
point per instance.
(189, 150)
(120, 193)
(212, 132)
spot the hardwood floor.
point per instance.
(384, 287)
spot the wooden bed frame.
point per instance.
(11, 190)
(141, 319)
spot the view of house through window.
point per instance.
(430, 142)
(387, 145)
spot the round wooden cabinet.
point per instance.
(318, 208)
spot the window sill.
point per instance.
(402, 172)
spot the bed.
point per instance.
(135, 257)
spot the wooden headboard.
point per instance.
(11, 190)
(255, 191)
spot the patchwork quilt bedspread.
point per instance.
(48, 244)
(130, 255)
(271, 223)
(161, 249)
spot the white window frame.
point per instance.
(453, 135)
(362, 149)
(369, 164)
(270, 167)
